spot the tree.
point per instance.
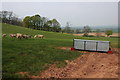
(55, 25)
(44, 21)
(86, 30)
(108, 32)
(10, 18)
(4, 14)
(27, 21)
(33, 22)
(41, 23)
(48, 26)
(38, 22)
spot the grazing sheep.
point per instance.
(35, 36)
(26, 36)
(4, 35)
(38, 36)
(29, 36)
(19, 36)
(12, 35)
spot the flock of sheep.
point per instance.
(20, 36)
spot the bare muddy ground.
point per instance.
(89, 65)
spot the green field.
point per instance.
(35, 55)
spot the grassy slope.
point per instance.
(8, 29)
(31, 55)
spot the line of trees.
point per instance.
(33, 22)
(41, 23)
(10, 18)
(36, 22)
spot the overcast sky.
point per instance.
(77, 13)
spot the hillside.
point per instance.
(8, 29)
(101, 28)
(32, 56)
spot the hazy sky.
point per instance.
(77, 13)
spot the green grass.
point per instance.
(35, 55)
(31, 55)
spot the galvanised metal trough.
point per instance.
(91, 45)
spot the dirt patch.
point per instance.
(23, 74)
(100, 65)
(64, 48)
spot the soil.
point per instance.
(89, 65)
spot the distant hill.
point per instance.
(102, 28)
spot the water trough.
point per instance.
(91, 45)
